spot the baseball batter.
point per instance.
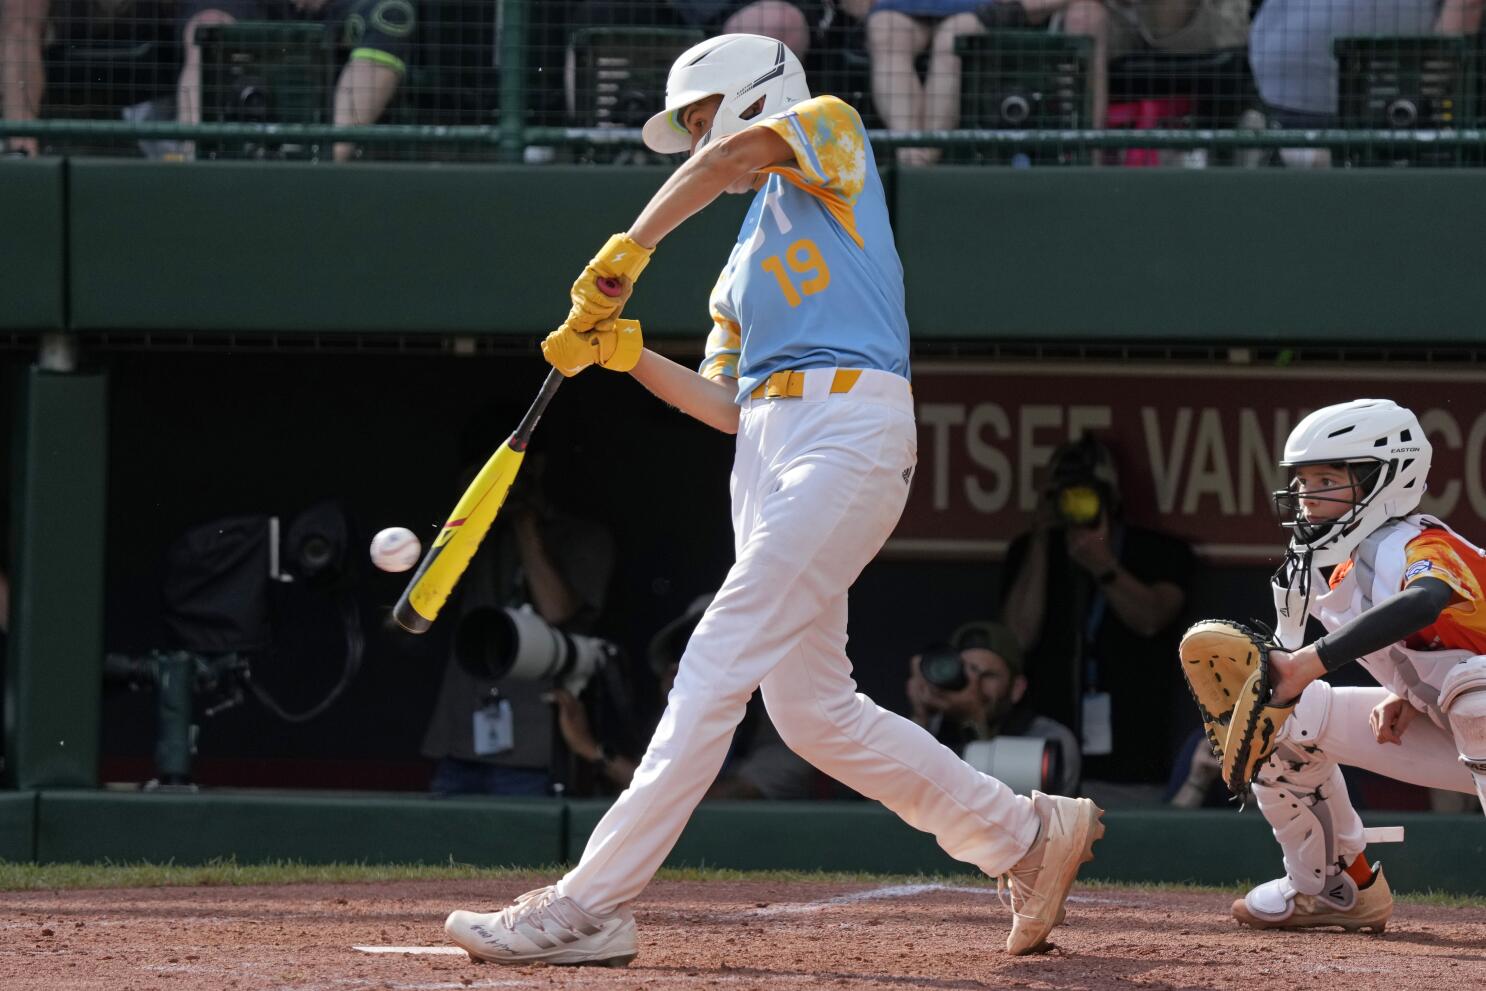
(1403, 598)
(807, 363)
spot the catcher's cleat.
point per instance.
(1277, 905)
(541, 927)
(1039, 882)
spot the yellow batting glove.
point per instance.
(601, 291)
(613, 344)
(620, 344)
(568, 351)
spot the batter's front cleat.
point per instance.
(1040, 881)
(542, 927)
(1277, 905)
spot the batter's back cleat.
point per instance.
(1040, 881)
(543, 927)
(1277, 905)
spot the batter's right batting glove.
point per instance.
(612, 344)
(619, 262)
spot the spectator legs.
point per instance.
(188, 90)
(361, 95)
(942, 83)
(22, 76)
(773, 19)
(894, 41)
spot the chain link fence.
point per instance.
(1129, 83)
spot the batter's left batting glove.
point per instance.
(619, 262)
(612, 344)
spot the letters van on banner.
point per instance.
(1196, 446)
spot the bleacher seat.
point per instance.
(1405, 83)
(265, 72)
(1025, 80)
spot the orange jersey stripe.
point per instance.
(1442, 555)
(1439, 554)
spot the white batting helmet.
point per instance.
(744, 69)
(1388, 454)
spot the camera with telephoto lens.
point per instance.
(1078, 505)
(943, 668)
(517, 643)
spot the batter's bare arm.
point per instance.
(706, 176)
(704, 399)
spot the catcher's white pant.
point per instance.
(1300, 789)
(818, 484)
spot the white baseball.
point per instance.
(395, 549)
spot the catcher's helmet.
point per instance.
(744, 69)
(1385, 449)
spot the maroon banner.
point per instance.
(1196, 446)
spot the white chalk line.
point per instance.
(448, 951)
(358, 982)
(894, 891)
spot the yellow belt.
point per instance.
(791, 385)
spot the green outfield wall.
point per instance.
(1215, 847)
(1232, 255)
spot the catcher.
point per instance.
(1402, 598)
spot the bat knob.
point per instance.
(610, 287)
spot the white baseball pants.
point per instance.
(818, 484)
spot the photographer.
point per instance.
(972, 690)
(498, 737)
(758, 765)
(1095, 603)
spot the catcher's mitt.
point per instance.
(1226, 665)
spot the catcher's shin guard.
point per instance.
(1277, 905)
(1303, 796)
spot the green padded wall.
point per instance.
(1348, 257)
(17, 826)
(31, 244)
(192, 829)
(220, 247)
(54, 667)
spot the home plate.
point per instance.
(435, 950)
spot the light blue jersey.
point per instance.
(814, 280)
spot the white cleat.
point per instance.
(541, 927)
(1040, 881)
(1277, 905)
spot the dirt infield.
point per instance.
(747, 934)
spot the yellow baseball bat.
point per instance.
(460, 537)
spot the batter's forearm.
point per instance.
(704, 177)
(711, 402)
(690, 188)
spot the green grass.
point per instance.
(220, 873)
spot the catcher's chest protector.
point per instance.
(1377, 570)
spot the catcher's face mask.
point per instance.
(1321, 496)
